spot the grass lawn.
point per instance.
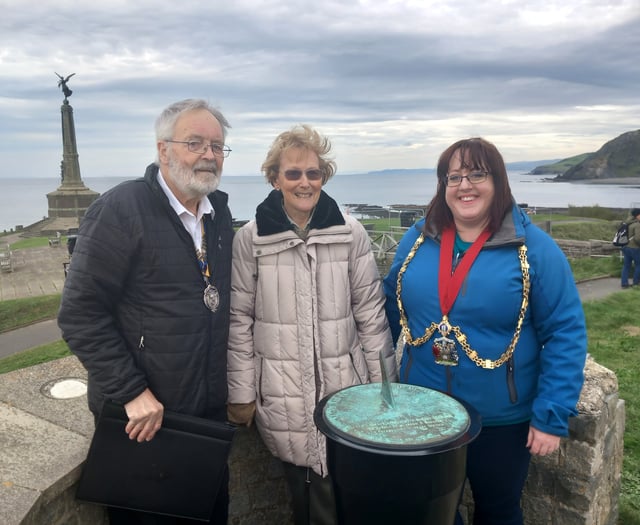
(35, 242)
(15, 313)
(34, 356)
(590, 267)
(613, 329)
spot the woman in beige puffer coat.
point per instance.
(307, 314)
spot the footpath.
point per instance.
(39, 271)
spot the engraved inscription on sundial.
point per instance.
(420, 416)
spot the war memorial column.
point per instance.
(72, 198)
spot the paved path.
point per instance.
(598, 288)
(37, 271)
(29, 337)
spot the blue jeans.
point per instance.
(631, 255)
(497, 468)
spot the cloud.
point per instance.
(392, 82)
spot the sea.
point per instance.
(24, 201)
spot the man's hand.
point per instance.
(540, 443)
(145, 416)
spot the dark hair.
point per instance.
(475, 153)
(635, 212)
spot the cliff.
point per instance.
(618, 158)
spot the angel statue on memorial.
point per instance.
(63, 84)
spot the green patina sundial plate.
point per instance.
(420, 416)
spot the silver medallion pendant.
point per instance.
(444, 351)
(211, 298)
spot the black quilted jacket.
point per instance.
(132, 308)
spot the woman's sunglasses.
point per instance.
(312, 174)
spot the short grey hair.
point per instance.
(166, 122)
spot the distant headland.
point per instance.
(616, 162)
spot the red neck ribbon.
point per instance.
(449, 283)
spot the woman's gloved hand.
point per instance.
(241, 413)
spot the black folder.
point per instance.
(177, 473)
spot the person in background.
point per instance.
(307, 315)
(631, 252)
(145, 305)
(489, 312)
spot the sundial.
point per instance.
(395, 415)
(396, 453)
(420, 417)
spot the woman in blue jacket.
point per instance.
(489, 312)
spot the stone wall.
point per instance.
(578, 249)
(578, 485)
(58, 506)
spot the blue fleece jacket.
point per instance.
(550, 355)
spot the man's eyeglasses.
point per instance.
(201, 147)
(475, 177)
(312, 174)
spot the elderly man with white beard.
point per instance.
(145, 305)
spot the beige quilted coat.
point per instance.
(307, 319)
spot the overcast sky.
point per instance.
(391, 82)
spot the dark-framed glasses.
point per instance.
(201, 147)
(475, 177)
(311, 174)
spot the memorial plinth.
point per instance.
(400, 463)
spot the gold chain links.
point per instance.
(461, 338)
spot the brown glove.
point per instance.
(241, 413)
